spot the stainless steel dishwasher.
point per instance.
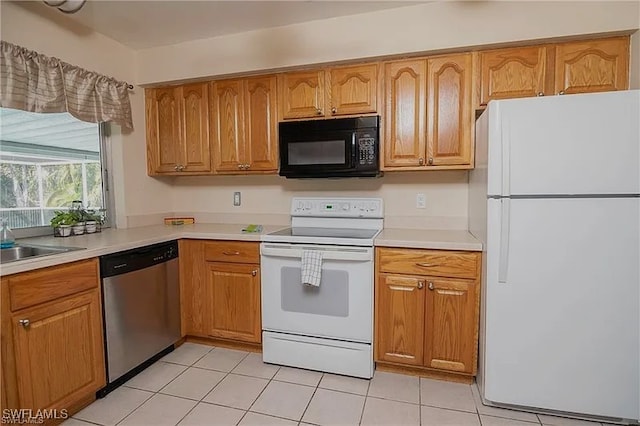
(141, 304)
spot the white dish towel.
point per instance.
(311, 267)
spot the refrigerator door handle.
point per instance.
(505, 218)
(505, 142)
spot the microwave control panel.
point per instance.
(367, 150)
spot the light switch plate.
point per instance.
(421, 201)
(236, 199)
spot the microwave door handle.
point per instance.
(354, 160)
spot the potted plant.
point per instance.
(92, 220)
(62, 222)
(78, 226)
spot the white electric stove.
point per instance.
(327, 328)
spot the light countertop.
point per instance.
(115, 240)
(436, 239)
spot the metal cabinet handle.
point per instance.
(181, 168)
(334, 110)
(240, 166)
(540, 94)
(246, 166)
(319, 111)
(431, 286)
(176, 167)
(24, 322)
(231, 253)
(421, 161)
(420, 285)
(426, 265)
(430, 160)
(254, 272)
(561, 92)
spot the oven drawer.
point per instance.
(232, 251)
(441, 263)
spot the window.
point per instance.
(47, 161)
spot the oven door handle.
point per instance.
(353, 255)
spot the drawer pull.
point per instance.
(426, 265)
(420, 284)
(231, 253)
(24, 322)
(254, 272)
(431, 286)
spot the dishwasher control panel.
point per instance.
(138, 258)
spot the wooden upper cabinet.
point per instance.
(451, 325)
(195, 128)
(178, 130)
(301, 94)
(592, 66)
(164, 151)
(400, 304)
(354, 89)
(405, 116)
(59, 355)
(514, 73)
(261, 121)
(244, 125)
(449, 110)
(227, 124)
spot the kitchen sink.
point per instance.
(24, 251)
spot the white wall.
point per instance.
(427, 27)
(38, 27)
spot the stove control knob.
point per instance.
(345, 207)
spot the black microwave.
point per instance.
(342, 147)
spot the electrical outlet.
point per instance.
(421, 201)
(236, 199)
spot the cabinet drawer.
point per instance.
(457, 264)
(232, 251)
(44, 285)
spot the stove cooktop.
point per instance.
(319, 235)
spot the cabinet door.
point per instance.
(164, 145)
(514, 73)
(195, 128)
(194, 306)
(235, 301)
(301, 94)
(354, 90)
(227, 122)
(405, 117)
(59, 353)
(261, 122)
(451, 325)
(592, 66)
(399, 319)
(449, 113)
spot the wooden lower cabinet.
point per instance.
(234, 301)
(424, 320)
(52, 349)
(220, 290)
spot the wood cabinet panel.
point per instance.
(449, 110)
(43, 285)
(451, 330)
(232, 251)
(400, 304)
(163, 130)
(405, 116)
(59, 355)
(514, 73)
(302, 94)
(194, 308)
(227, 121)
(261, 144)
(195, 128)
(235, 301)
(443, 263)
(592, 66)
(354, 89)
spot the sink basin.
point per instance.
(23, 251)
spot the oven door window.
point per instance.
(331, 298)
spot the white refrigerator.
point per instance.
(555, 200)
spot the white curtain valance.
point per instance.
(33, 82)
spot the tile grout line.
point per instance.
(310, 399)
(366, 396)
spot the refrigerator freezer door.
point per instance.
(562, 332)
(575, 144)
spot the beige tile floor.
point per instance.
(204, 385)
